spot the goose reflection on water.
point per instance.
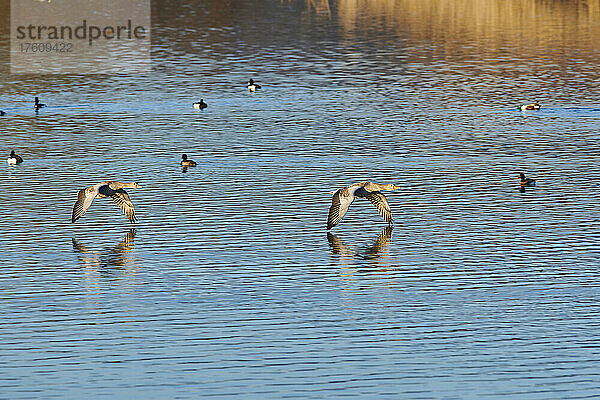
(112, 256)
(367, 253)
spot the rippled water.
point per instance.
(229, 285)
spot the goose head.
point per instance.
(390, 186)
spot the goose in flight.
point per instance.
(100, 190)
(371, 191)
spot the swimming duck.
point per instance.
(37, 104)
(532, 106)
(252, 86)
(342, 199)
(526, 181)
(2, 113)
(187, 163)
(14, 159)
(200, 105)
(112, 189)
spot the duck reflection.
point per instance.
(370, 252)
(113, 256)
(523, 189)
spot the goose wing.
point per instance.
(122, 199)
(339, 206)
(85, 197)
(380, 202)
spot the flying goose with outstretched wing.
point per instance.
(342, 199)
(112, 189)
